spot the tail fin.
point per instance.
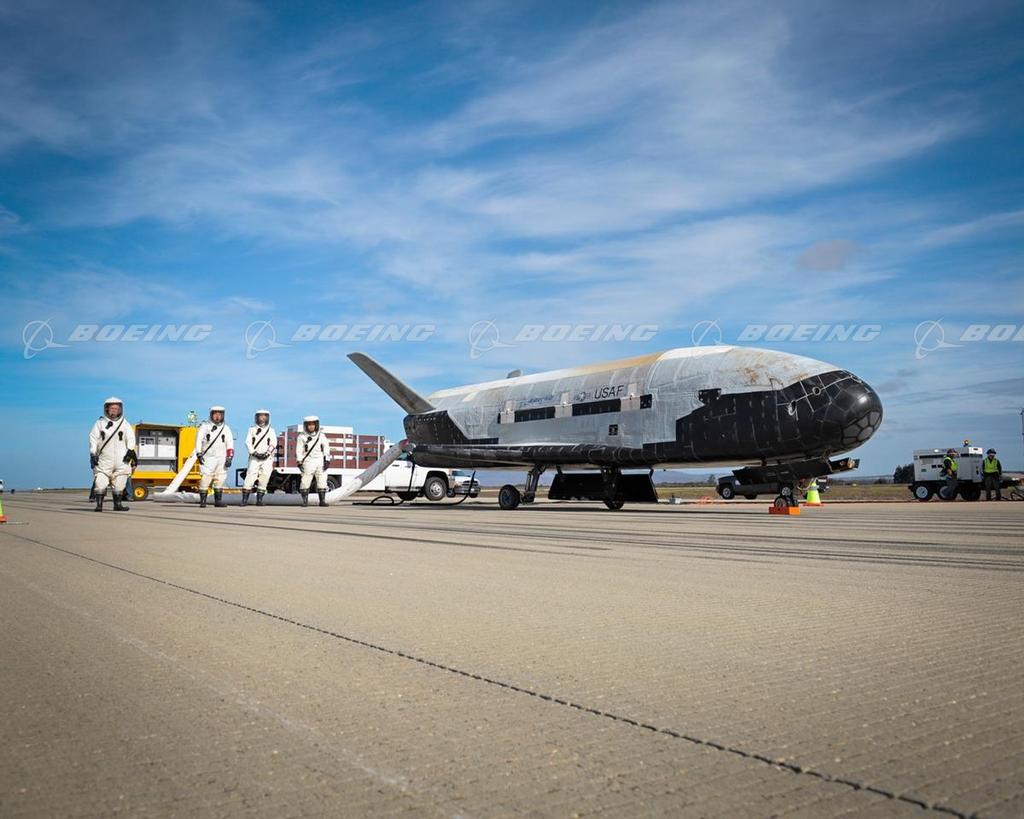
(403, 395)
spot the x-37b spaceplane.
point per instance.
(781, 417)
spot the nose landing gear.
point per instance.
(509, 497)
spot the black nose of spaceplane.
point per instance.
(858, 411)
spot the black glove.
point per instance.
(200, 459)
(327, 463)
(94, 461)
(131, 458)
(227, 462)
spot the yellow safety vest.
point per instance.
(952, 465)
(990, 466)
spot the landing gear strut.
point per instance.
(532, 479)
(612, 499)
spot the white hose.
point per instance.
(172, 495)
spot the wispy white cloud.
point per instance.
(992, 223)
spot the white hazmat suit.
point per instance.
(215, 447)
(314, 453)
(261, 441)
(111, 453)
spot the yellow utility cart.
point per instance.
(163, 450)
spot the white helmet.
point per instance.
(113, 400)
(311, 419)
(221, 410)
(256, 416)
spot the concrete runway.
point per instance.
(559, 660)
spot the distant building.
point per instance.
(348, 450)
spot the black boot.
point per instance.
(322, 493)
(118, 504)
(202, 498)
(99, 500)
(218, 497)
(124, 502)
(245, 498)
(305, 496)
(259, 497)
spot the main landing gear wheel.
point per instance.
(923, 492)
(614, 503)
(509, 497)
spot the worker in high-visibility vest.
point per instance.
(949, 471)
(992, 472)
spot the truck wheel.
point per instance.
(922, 491)
(333, 482)
(435, 489)
(945, 494)
(727, 491)
(140, 492)
(508, 497)
(971, 493)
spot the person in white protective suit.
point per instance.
(215, 447)
(112, 454)
(314, 454)
(261, 442)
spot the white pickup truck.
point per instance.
(402, 479)
(409, 482)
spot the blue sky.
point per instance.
(445, 164)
